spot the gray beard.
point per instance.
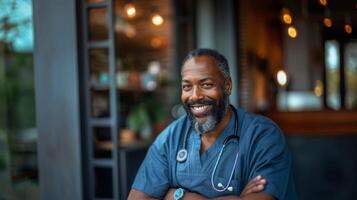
(211, 121)
(206, 126)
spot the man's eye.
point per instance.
(186, 87)
(207, 85)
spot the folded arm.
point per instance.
(252, 191)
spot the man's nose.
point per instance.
(196, 94)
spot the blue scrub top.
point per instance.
(262, 150)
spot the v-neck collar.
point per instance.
(209, 154)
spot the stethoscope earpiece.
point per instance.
(220, 185)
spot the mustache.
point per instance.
(201, 102)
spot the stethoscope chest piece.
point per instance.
(181, 155)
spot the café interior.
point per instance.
(86, 103)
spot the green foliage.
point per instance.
(138, 118)
(143, 116)
(17, 90)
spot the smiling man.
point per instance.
(215, 151)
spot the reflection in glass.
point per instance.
(18, 133)
(351, 75)
(145, 65)
(298, 101)
(332, 60)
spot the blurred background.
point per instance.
(87, 85)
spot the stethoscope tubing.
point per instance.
(215, 168)
(226, 141)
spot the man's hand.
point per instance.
(256, 185)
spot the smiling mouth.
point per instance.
(200, 110)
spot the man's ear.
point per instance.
(229, 86)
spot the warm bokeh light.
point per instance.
(156, 42)
(287, 19)
(130, 10)
(292, 32)
(130, 31)
(348, 28)
(323, 2)
(281, 77)
(327, 22)
(318, 88)
(157, 20)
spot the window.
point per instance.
(351, 74)
(18, 134)
(332, 61)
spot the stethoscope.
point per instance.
(182, 155)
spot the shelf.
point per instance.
(324, 122)
(99, 87)
(103, 162)
(98, 44)
(102, 4)
(105, 87)
(100, 122)
(137, 144)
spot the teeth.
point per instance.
(199, 108)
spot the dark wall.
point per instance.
(325, 166)
(57, 109)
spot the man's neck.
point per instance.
(209, 138)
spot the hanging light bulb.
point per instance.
(323, 2)
(327, 19)
(292, 32)
(286, 16)
(281, 77)
(287, 19)
(157, 20)
(327, 22)
(348, 27)
(130, 10)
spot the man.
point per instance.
(215, 151)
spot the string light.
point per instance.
(292, 32)
(327, 22)
(130, 10)
(281, 77)
(327, 18)
(286, 16)
(157, 20)
(287, 19)
(348, 22)
(323, 2)
(348, 28)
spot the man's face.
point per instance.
(204, 93)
